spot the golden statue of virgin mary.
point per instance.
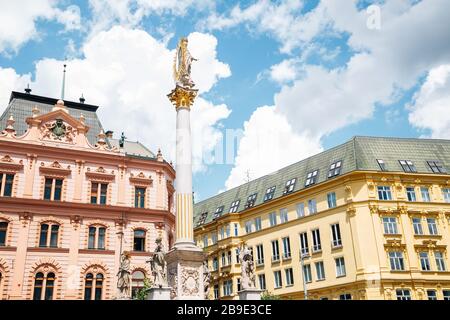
(182, 65)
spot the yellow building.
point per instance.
(370, 218)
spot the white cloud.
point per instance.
(9, 81)
(18, 20)
(431, 105)
(129, 73)
(285, 71)
(268, 143)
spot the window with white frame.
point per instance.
(340, 267)
(311, 178)
(436, 166)
(277, 277)
(224, 259)
(417, 225)
(229, 258)
(390, 225)
(53, 189)
(234, 206)
(396, 260)
(96, 238)
(236, 254)
(273, 219)
(269, 194)
(216, 292)
(446, 194)
(407, 165)
(290, 185)
(289, 277)
(317, 246)
(446, 294)
(304, 248)
(425, 193)
(248, 226)
(215, 264)
(345, 296)
(214, 238)
(382, 164)
(258, 224)
(300, 209)
(251, 199)
(262, 281)
(286, 248)
(440, 261)
(227, 287)
(320, 271)
(307, 273)
(335, 169)
(259, 254)
(336, 235)
(227, 230)
(403, 294)
(312, 206)
(275, 251)
(222, 232)
(236, 229)
(48, 236)
(205, 241)
(432, 226)
(218, 212)
(411, 194)
(424, 261)
(6, 184)
(331, 199)
(99, 192)
(284, 215)
(431, 294)
(384, 193)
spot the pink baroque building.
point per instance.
(72, 198)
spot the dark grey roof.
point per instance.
(359, 153)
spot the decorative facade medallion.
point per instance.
(189, 281)
(58, 130)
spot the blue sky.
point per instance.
(295, 77)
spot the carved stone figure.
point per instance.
(247, 268)
(182, 65)
(124, 276)
(158, 265)
(206, 278)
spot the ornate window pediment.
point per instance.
(54, 170)
(141, 179)
(100, 174)
(7, 164)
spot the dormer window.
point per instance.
(234, 206)
(311, 178)
(251, 200)
(382, 164)
(202, 218)
(335, 169)
(436, 166)
(407, 165)
(218, 212)
(269, 194)
(290, 185)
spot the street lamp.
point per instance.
(302, 257)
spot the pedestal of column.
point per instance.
(250, 294)
(157, 293)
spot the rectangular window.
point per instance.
(345, 296)
(234, 206)
(289, 277)
(277, 277)
(222, 233)
(286, 248)
(236, 229)
(101, 238)
(205, 241)
(340, 267)
(139, 197)
(248, 226)
(311, 178)
(312, 206)
(269, 194)
(424, 261)
(275, 251)
(91, 240)
(262, 281)
(407, 166)
(229, 259)
(215, 264)
(396, 261)
(284, 215)
(417, 226)
(227, 287)
(214, 238)
(411, 194)
(307, 273)
(446, 194)
(216, 292)
(436, 166)
(259, 254)
(53, 189)
(425, 193)
(446, 294)
(316, 241)
(382, 164)
(290, 185)
(6, 184)
(218, 212)
(431, 294)
(258, 225)
(432, 226)
(335, 169)
(304, 248)
(403, 294)
(336, 235)
(98, 192)
(236, 252)
(440, 261)
(320, 271)
(3, 231)
(273, 219)
(300, 210)
(251, 201)
(384, 193)
(390, 225)
(224, 259)
(238, 280)
(331, 199)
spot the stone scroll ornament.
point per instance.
(206, 278)
(124, 276)
(158, 265)
(247, 268)
(182, 65)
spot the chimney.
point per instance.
(109, 134)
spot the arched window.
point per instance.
(93, 286)
(49, 235)
(139, 240)
(96, 237)
(44, 285)
(3, 231)
(137, 282)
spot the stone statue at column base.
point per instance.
(124, 277)
(249, 290)
(160, 289)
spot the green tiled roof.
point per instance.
(359, 153)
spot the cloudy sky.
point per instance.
(284, 78)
